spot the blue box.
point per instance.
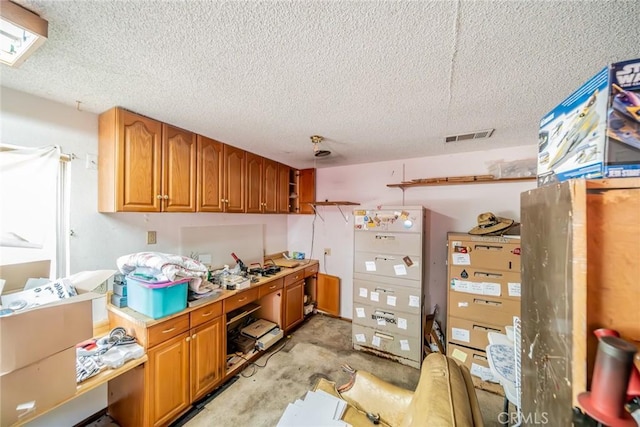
(595, 132)
(155, 299)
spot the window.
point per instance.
(34, 206)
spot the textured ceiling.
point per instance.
(380, 80)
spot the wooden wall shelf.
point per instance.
(404, 185)
(339, 203)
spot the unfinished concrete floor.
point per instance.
(315, 350)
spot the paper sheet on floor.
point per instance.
(317, 409)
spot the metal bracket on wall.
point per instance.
(316, 211)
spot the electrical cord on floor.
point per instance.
(255, 365)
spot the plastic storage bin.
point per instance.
(156, 299)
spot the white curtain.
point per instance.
(29, 186)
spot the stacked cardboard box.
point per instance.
(37, 348)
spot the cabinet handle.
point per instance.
(188, 339)
(208, 313)
(169, 330)
(383, 336)
(273, 287)
(193, 336)
(166, 197)
(242, 299)
(159, 197)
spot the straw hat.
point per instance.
(488, 223)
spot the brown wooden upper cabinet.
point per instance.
(234, 179)
(306, 182)
(262, 184)
(210, 175)
(143, 165)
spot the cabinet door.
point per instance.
(284, 190)
(255, 181)
(169, 379)
(270, 187)
(234, 182)
(210, 175)
(178, 169)
(139, 163)
(328, 294)
(206, 357)
(294, 299)
(306, 190)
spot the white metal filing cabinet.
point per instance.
(388, 282)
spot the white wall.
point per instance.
(452, 208)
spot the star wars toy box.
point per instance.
(595, 132)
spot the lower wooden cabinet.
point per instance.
(169, 379)
(207, 358)
(294, 303)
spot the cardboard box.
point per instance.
(595, 132)
(32, 334)
(37, 387)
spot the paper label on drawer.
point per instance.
(461, 285)
(404, 345)
(391, 300)
(370, 265)
(463, 304)
(400, 269)
(460, 355)
(375, 296)
(402, 323)
(514, 289)
(476, 288)
(483, 372)
(360, 338)
(460, 259)
(493, 289)
(459, 334)
(359, 311)
(363, 292)
(381, 321)
(376, 341)
(414, 301)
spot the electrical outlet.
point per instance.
(151, 238)
(327, 251)
(91, 161)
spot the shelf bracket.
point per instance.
(316, 211)
(343, 215)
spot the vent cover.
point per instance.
(479, 134)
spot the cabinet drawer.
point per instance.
(240, 299)
(388, 345)
(206, 313)
(482, 307)
(274, 285)
(497, 255)
(385, 319)
(169, 329)
(484, 281)
(388, 296)
(293, 278)
(471, 333)
(311, 270)
(388, 265)
(389, 243)
(475, 360)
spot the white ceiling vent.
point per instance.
(479, 134)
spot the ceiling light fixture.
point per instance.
(317, 139)
(21, 33)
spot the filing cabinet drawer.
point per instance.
(393, 346)
(471, 333)
(408, 267)
(497, 253)
(387, 296)
(483, 281)
(311, 270)
(272, 286)
(475, 360)
(206, 313)
(386, 320)
(292, 278)
(482, 307)
(240, 299)
(168, 329)
(390, 243)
